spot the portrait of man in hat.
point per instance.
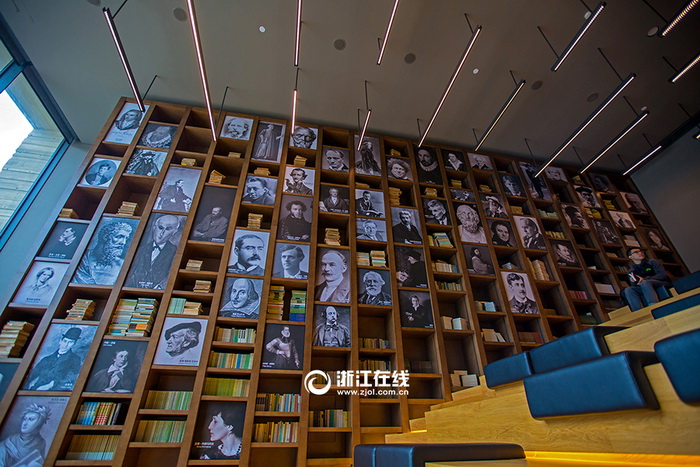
(181, 342)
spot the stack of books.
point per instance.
(254, 220)
(577, 180)
(134, 317)
(554, 234)
(378, 258)
(444, 285)
(630, 241)
(440, 239)
(188, 162)
(361, 185)
(127, 208)
(332, 237)
(394, 152)
(82, 309)
(455, 183)
(275, 302)
(609, 204)
(530, 337)
(98, 413)
(459, 324)
(297, 306)
(374, 343)
(382, 365)
(518, 210)
(216, 177)
(299, 161)
(485, 306)
(13, 337)
(541, 273)
(485, 188)
(443, 266)
(234, 154)
(194, 265)
(509, 266)
(337, 418)
(180, 306)
(363, 258)
(69, 213)
(394, 195)
(202, 286)
(244, 335)
(464, 379)
(491, 335)
(579, 294)
(262, 171)
(431, 192)
(594, 213)
(275, 432)
(546, 214)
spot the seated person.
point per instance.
(646, 275)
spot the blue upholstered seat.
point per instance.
(416, 455)
(684, 284)
(680, 357)
(508, 370)
(675, 307)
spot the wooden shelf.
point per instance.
(163, 412)
(151, 445)
(76, 427)
(274, 445)
(326, 429)
(262, 413)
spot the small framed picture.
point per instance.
(332, 326)
(237, 128)
(375, 287)
(656, 240)
(556, 174)
(479, 260)
(512, 184)
(334, 198)
(530, 234)
(100, 173)
(181, 342)
(63, 240)
(241, 298)
(367, 158)
(333, 278)
(124, 127)
(601, 183)
(606, 233)
(405, 226)
(178, 189)
(304, 137)
(369, 203)
(260, 190)
(157, 135)
(427, 166)
(587, 196)
(269, 142)
(454, 160)
(565, 253)
(622, 220)
(479, 161)
(410, 267)
(462, 195)
(293, 224)
(520, 296)
(249, 252)
(399, 168)
(538, 187)
(291, 261)
(213, 212)
(146, 162)
(299, 180)
(436, 212)
(335, 159)
(634, 203)
(501, 233)
(574, 217)
(116, 366)
(219, 430)
(284, 347)
(40, 283)
(493, 206)
(471, 230)
(371, 229)
(416, 311)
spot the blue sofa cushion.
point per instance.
(687, 283)
(416, 455)
(607, 384)
(675, 307)
(572, 349)
(508, 370)
(680, 356)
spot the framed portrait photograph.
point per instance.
(565, 254)
(369, 203)
(454, 160)
(574, 216)
(479, 161)
(374, 287)
(241, 298)
(269, 141)
(556, 174)
(299, 180)
(260, 190)
(479, 260)
(416, 311)
(154, 256)
(213, 214)
(436, 212)
(427, 165)
(116, 366)
(410, 267)
(60, 357)
(63, 240)
(537, 186)
(333, 276)
(29, 429)
(334, 198)
(7, 372)
(291, 261)
(656, 239)
(178, 189)
(124, 127)
(284, 346)
(405, 226)
(181, 342)
(399, 168)
(606, 233)
(249, 252)
(501, 233)
(601, 183)
(512, 184)
(237, 128)
(367, 161)
(157, 135)
(587, 196)
(295, 218)
(493, 206)
(335, 159)
(471, 230)
(634, 203)
(331, 326)
(100, 173)
(622, 220)
(219, 430)
(146, 162)
(104, 258)
(462, 195)
(530, 233)
(520, 296)
(371, 229)
(304, 137)
(40, 283)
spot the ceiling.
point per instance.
(70, 45)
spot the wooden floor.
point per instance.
(579, 460)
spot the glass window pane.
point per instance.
(5, 57)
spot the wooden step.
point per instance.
(407, 438)
(625, 317)
(417, 424)
(644, 336)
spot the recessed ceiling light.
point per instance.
(652, 32)
(409, 58)
(94, 2)
(475, 71)
(644, 109)
(536, 85)
(592, 97)
(339, 44)
(180, 14)
(261, 29)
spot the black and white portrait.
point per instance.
(369, 203)
(478, 260)
(601, 183)
(530, 233)
(181, 342)
(399, 168)
(537, 186)
(332, 326)
(335, 159)
(156, 251)
(471, 230)
(295, 218)
(606, 233)
(410, 267)
(104, 258)
(427, 166)
(520, 296)
(367, 158)
(60, 357)
(291, 261)
(405, 226)
(374, 287)
(100, 173)
(332, 276)
(416, 311)
(116, 366)
(299, 180)
(656, 240)
(371, 229)
(587, 196)
(241, 298)
(249, 252)
(493, 206)
(634, 203)
(178, 189)
(284, 347)
(512, 184)
(29, 429)
(501, 233)
(435, 211)
(304, 137)
(269, 142)
(462, 195)
(574, 217)
(454, 160)
(260, 190)
(479, 161)
(63, 240)
(213, 211)
(40, 283)
(565, 254)
(622, 220)
(219, 430)
(157, 135)
(334, 198)
(146, 162)
(237, 128)
(555, 174)
(125, 126)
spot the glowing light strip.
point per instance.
(200, 62)
(607, 102)
(364, 129)
(388, 31)
(298, 38)
(686, 68)
(679, 17)
(124, 60)
(500, 114)
(578, 36)
(452, 82)
(651, 153)
(618, 138)
(294, 109)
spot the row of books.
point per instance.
(443, 285)
(444, 266)
(594, 213)
(181, 306)
(491, 335)
(278, 402)
(127, 208)
(485, 306)
(226, 387)
(337, 418)
(454, 323)
(275, 302)
(92, 447)
(82, 309)
(540, 270)
(134, 317)
(530, 337)
(383, 365)
(463, 378)
(241, 361)
(420, 366)
(168, 400)
(13, 337)
(372, 343)
(555, 234)
(547, 214)
(98, 413)
(440, 239)
(297, 306)
(275, 432)
(243, 335)
(579, 294)
(160, 431)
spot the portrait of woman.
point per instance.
(480, 263)
(398, 169)
(219, 431)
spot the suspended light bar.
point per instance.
(697, 135)
(122, 56)
(452, 82)
(500, 114)
(686, 68)
(364, 129)
(579, 35)
(388, 31)
(602, 107)
(681, 14)
(200, 62)
(651, 153)
(294, 109)
(617, 138)
(298, 38)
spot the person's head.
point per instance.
(226, 423)
(500, 231)
(413, 256)
(331, 315)
(425, 157)
(44, 274)
(517, 286)
(475, 251)
(637, 255)
(181, 337)
(33, 419)
(511, 184)
(366, 196)
(67, 235)
(256, 187)
(303, 137)
(634, 202)
(405, 217)
(600, 183)
(291, 257)
(103, 168)
(286, 332)
(586, 194)
(164, 228)
(564, 252)
(468, 218)
(242, 293)
(373, 282)
(369, 228)
(333, 192)
(480, 160)
(249, 249)
(147, 156)
(366, 147)
(298, 174)
(452, 157)
(437, 209)
(237, 127)
(215, 211)
(334, 159)
(179, 183)
(112, 240)
(655, 237)
(121, 358)
(574, 214)
(398, 168)
(160, 132)
(493, 203)
(131, 116)
(529, 227)
(333, 266)
(415, 301)
(296, 209)
(68, 340)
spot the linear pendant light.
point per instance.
(298, 34)
(364, 129)
(616, 139)
(200, 62)
(388, 31)
(681, 14)
(686, 68)
(475, 34)
(578, 36)
(649, 154)
(510, 100)
(580, 129)
(122, 56)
